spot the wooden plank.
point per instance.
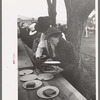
(30, 54)
(69, 87)
(67, 91)
(23, 58)
(65, 87)
(61, 95)
(32, 94)
(22, 95)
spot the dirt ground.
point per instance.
(86, 84)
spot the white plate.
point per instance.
(41, 95)
(45, 76)
(25, 72)
(37, 84)
(52, 62)
(28, 77)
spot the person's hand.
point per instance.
(50, 59)
(58, 70)
(43, 56)
(39, 60)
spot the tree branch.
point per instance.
(49, 3)
(54, 4)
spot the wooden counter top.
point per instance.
(23, 58)
(67, 91)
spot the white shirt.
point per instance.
(42, 44)
(63, 35)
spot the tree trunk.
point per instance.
(52, 11)
(77, 12)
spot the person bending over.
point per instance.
(62, 50)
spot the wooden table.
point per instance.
(67, 91)
(23, 58)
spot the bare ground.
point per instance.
(86, 84)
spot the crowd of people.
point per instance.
(49, 41)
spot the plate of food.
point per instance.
(25, 72)
(51, 68)
(48, 92)
(52, 62)
(45, 76)
(28, 77)
(32, 84)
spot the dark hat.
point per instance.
(43, 24)
(51, 31)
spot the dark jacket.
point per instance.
(65, 54)
(28, 39)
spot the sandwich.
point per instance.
(30, 85)
(49, 92)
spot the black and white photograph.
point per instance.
(55, 50)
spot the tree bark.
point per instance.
(77, 12)
(52, 11)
